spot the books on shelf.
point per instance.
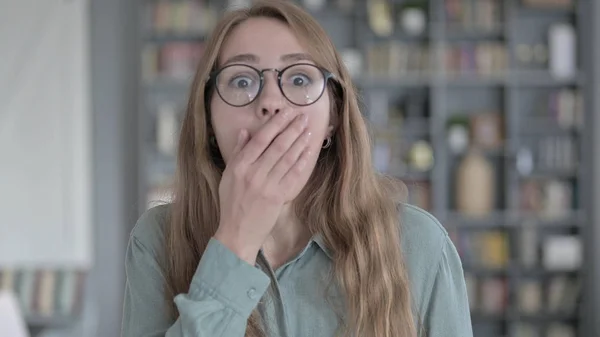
(546, 198)
(175, 61)
(476, 59)
(395, 59)
(474, 15)
(487, 249)
(46, 292)
(565, 108)
(530, 296)
(180, 17)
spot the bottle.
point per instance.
(562, 46)
(475, 188)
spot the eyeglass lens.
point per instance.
(301, 84)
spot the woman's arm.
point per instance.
(222, 294)
(448, 313)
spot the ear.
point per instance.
(329, 131)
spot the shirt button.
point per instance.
(252, 293)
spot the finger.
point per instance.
(241, 141)
(289, 158)
(281, 144)
(263, 138)
(293, 175)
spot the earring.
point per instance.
(326, 143)
(213, 141)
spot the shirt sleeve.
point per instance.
(223, 292)
(448, 313)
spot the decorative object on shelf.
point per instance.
(475, 185)
(495, 296)
(413, 17)
(314, 5)
(353, 60)
(458, 134)
(532, 56)
(558, 196)
(562, 45)
(420, 156)
(565, 108)
(562, 253)
(530, 296)
(380, 17)
(524, 161)
(524, 54)
(486, 130)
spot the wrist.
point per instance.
(233, 242)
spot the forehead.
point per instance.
(266, 38)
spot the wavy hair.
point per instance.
(352, 207)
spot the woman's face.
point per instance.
(265, 43)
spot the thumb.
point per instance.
(241, 141)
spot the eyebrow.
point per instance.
(251, 58)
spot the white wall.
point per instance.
(45, 148)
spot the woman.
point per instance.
(280, 226)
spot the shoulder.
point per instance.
(424, 242)
(419, 229)
(149, 230)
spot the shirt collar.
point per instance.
(321, 243)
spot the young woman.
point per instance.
(280, 226)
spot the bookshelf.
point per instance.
(468, 107)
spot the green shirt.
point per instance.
(225, 289)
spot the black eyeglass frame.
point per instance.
(327, 75)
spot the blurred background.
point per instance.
(487, 109)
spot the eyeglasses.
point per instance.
(239, 84)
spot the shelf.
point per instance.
(543, 78)
(38, 321)
(545, 126)
(522, 96)
(416, 79)
(160, 38)
(460, 33)
(547, 10)
(499, 219)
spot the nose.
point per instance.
(271, 100)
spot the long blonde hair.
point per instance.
(345, 201)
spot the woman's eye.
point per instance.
(241, 82)
(300, 80)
